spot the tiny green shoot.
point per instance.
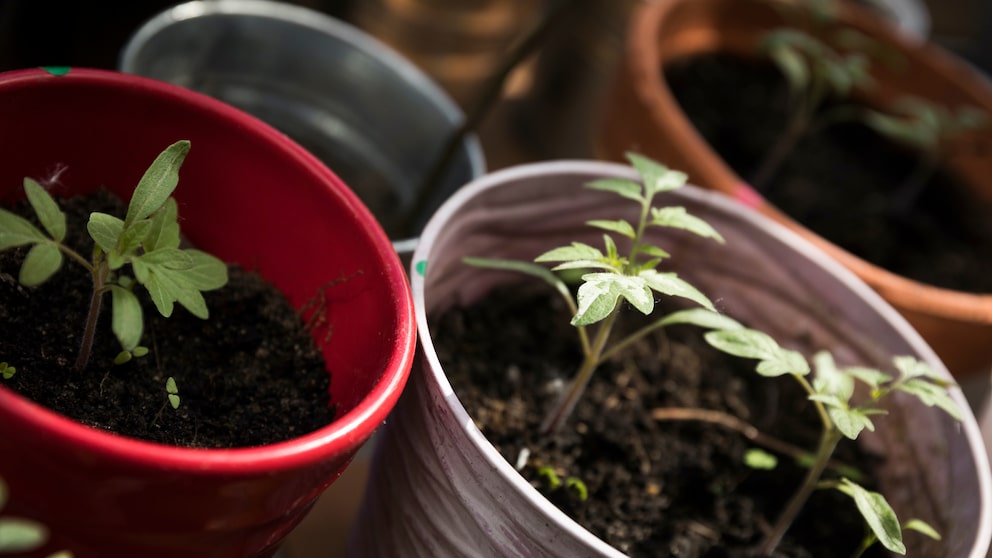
(7, 371)
(173, 392)
(146, 241)
(576, 485)
(550, 476)
(756, 458)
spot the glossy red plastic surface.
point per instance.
(250, 195)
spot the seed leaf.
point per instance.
(760, 459)
(17, 231)
(127, 321)
(701, 317)
(42, 261)
(619, 226)
(921, 526)
(527, 268)
(20, 535)
(577, 251)
(48, 212)
(157, 184)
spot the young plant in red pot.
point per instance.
(485, 455)
(257, 201)
(848, 169)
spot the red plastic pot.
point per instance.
(251, 196)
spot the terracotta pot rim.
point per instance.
(645, 62)
(802, 247)
(354, 426)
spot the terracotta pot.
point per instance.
(249, 195)
(439, 488)
(645, 116)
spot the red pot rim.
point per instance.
(351, 429)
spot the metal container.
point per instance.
(365, 111)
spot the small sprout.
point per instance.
(760, 459)
(550, 476)
(147, 240)
(7, 371)
(173, 391)
(579, 487)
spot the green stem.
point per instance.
(75, 256)
(828, 442)
(100, 274)
(566, 403)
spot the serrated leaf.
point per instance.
(657, 177)
(134, 237)
(21, 535)
(830, 379)
(850, 422)
(786, 362)
(17, 231)
(626, 188)
(158, 183)
(671, 285)
(127, 321)
(701, 317)
(600, 293)
(207, 272)
(912, 367)
(619, 226)
(878, 514)
(751, 343)
(168, 286)
(931, 395)
(577, 251)
(48, 212)
(870, 376)
(105, 230)
(42, 261)
(164, 231)
(171, 258)
(679, 218)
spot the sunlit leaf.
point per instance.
(878, 514)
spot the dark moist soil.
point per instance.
(672, 488)
(838, 180)
(248, 376)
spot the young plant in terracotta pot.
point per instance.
(491, 490)
(252, 198)
(853, 169)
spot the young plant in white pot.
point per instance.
(459, 495)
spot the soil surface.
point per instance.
(839, 179)
(656, 487)
(248, 376)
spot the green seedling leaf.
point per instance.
(168, 286)
(626, 188)
(123, 357)
(173, 391)
(164, 229)
(655, 252)
(21, 535)
(750, 343)
(576, 252)
(525, 268)
(549, 474)
(931, 395)
(619, 226)
(579, 487)
(6, 372)
(48, 212)
(850, 422)
(140, 351)
(878, 515)
(42, 261)
(679, 218)
(105, 230)
(207, 273)
(600, 293)
(921, 526)
(670, 284)
(169, 258)
(127, 319)
(701, 317)
(17, 231)
(829, 378)
(134, 237)
(760, 459)
(657, 178)
(157, 184)
(870, 376)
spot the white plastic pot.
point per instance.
(439, 488)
